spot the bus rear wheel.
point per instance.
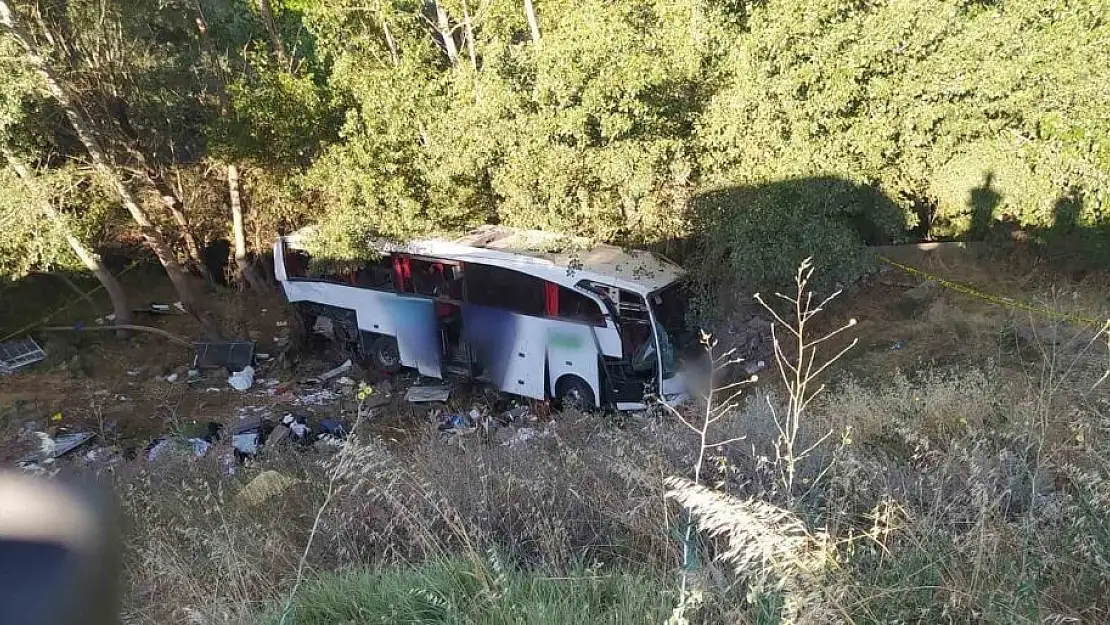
(384, 354)
(572, 393)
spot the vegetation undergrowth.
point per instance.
(463, 591)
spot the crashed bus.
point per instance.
(587, 325)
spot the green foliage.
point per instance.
(923, 100)
(753, 133)
(758, 235)
(459, 591)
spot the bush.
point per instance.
(756, 236)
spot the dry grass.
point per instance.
(964, 481)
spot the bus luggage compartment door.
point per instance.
(418, 335)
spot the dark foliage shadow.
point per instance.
(755, 236)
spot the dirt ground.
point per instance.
(121, 390)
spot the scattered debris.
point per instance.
(261, 356)
(753, 367)
(171, 378)
(333, 427)
(52, 447)
(298, 425)
(318, 398)
(242, 380)
(923, 292)
(345, 381)
(109, 318)
(264, 486)
(522, 435)
(900, 344)
(246, 444)
(175, 308)
(248, 438)
(332, 373)
(18, 353)
(456, 423)
(279, 434)
(233, 355)
(424, 394)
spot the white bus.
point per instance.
(588, 326)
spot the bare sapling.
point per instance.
(719, 403)
(339, 467)
(800, 369)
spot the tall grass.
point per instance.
(957, 494)
(461, 591)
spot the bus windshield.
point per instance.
(669, 307)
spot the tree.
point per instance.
(83, 128)
(89, 259)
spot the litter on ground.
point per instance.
(424, 394)
(52, 447)
(264, 486)
(233, 355)
(331, 373)
(18, 353)
(243, 379)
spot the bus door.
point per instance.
(418, 337)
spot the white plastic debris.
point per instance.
(242, 380)
(200, 446)
(171, 378)
(345, 381)
(246, 443)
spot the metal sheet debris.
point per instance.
(424, 394)
(51, 447)
(234, 355)
(17, 353)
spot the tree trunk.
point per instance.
(533, 24)
(270, 25)
(87, 257)
(177, 209)
(389, 41)
(469, 36)
(248, 277)
(443, 25)
(83, 128)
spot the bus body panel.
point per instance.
(378, 311)
(520, 354)
(572, 349)
(418, 339)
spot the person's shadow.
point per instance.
(984, 199)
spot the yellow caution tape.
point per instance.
(996, 299)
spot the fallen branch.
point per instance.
(169, 335)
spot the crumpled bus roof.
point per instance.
(555, 257)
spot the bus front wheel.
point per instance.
(572, 393)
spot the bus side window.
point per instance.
(402, 274)
(506, 289)
(296, 263)
(575, 306)
(376, 274)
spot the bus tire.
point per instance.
(572, 392)
(385, 354)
